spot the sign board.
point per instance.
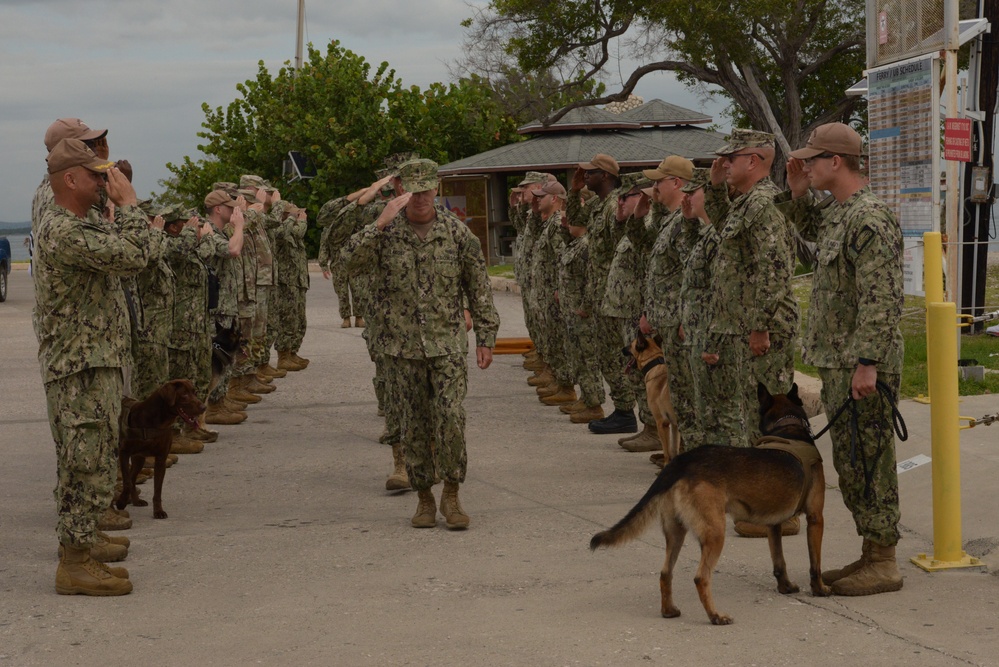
(957, 139)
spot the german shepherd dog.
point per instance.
(225, 346)
(764, 484)
(649, 359)
(147, 430)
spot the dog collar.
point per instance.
(797, 420)
(658, 361)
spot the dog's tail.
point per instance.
(638, 518)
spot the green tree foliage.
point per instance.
(784, 64)
(345, 117)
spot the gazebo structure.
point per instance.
(476, 187)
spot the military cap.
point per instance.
(175, 213)
(550, 188)
(251, 181)
(674, 165)
(633, 180)
(146, 206)
(249, 193)
(74, 153)
(603, 162)
(382, 173)
(219, 198)
(418, 175)
(227, 186)
(741, 139)
(70, 128)
(396, 160)
(532, 177)
(837, 138)
(699, 179)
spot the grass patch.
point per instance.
(501, 270)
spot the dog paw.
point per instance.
(159, 515)
(139, 502)
(671, 612)
(787, 589)
(720, 619)
(821, 590)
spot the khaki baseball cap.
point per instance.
(674, 165)
(70, 128)
(74, 153)
(219, 198)
(741, 139)
(603, 162)
(837, 138)
(550, 188)
(418, 175)
(699, 179)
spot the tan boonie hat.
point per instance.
(674, 165)
(74, 153)
(741, 139)
(633, 180)
(70, 128)
(837, 138)
(532, 177)
(550, 188)
(602, 162)
(219, 198)
(251, 181)
(699, 179)
(418, 175)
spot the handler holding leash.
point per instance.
(853, 337)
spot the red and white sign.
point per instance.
(957, 139)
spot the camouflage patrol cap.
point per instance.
(175, 213)
(633, 180)
(741, 139)
(382, 173)
(251, 181)
(396, 160)
(227, 186)
(70, 128)
(250, 194)
(532, 177)
(699, 179)
(418, 175)
(146, 206)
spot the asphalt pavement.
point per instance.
(283, 548)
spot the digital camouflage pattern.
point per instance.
(551, 341)
(190, 336)
(154, 292)
(293, 282)
(696, 302)
(575, 295)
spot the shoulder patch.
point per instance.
(862, 239)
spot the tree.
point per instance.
(345, 118)
(784, 64)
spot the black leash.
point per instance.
(898, 424)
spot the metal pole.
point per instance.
(298, 41)
(953, 176)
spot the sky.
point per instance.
(142, 69)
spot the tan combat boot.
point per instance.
(345, 324)
(426, 510)
(104, 550)
(565, 394)
(181, 444)
(454, 517)
(269, 371)
(399, 479)
(253, 385)
(541, 378)
(201, 433)
(829, 576)
(577, 406)
(587, 415)
(878, 575)
(232, 405)
(646, 441)
(113, 519)
(535, 364)
(238, 392)
(359, 322)
(548, 389)
(79, 574)
(301, 361)
(286, 363)
(218, 413)
(114, 539)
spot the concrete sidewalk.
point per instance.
(282, 547)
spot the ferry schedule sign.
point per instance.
(957, 139)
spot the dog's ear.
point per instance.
(765, 398)
(169, 391)
(793, 395)
(640, 343)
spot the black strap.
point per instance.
(658, 361)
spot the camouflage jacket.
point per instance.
(599, 217)
(857, 294)
(274, 223)
(697, 288)
(256, 229)
(154, 291)
(624, 295)
(547, 248)
(755, 262)
(418, 287)
(190, 312)
(664, 275)
(525, 249)
(229, 272)
(80, 316)
(289, 251)
(574, 267)
(330, 220)
(213, 250)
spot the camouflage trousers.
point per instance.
(875, 507)
(531, 320)
(607, 332)
(552, 331)
(83, 414)
(390, 397)
(194, 364)
(220, 386)
(721, 389)
(634, 376)
(775, 370)
(582, 353)
(682, 390)
(341, 287)
(270, 321)
(288, 316)
(430, 393)
(151, 368)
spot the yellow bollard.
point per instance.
(933, 267)
(946, 442)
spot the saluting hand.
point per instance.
(718, 170)
(392, 209)
(797, 179)
(120, 191)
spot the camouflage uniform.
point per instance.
(856, 307)
(329, 254)
(525, 251)
(293, 282)
(155, 296)
(673, 246)
(227, 270)
(82, 326)
(420, 285)
(574, 294)
(275, 225)
(544, 257)
(190, 342)
(256, 264)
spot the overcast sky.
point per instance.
(142, 69)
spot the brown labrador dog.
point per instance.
(779, 477)
(147, 430)
(650, 361)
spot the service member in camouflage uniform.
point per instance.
(576, 299)
(330, 244)
(674, 237)
(853, 337)
(599, 215)
(526, 220)
(756, 314)
(154, 296)
(425, 262)
(82, 326)
(293, 283)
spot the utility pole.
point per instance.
(298, 42)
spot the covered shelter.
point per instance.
(477, 187)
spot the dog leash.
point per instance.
(898, 425)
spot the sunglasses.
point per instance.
(822, 156)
